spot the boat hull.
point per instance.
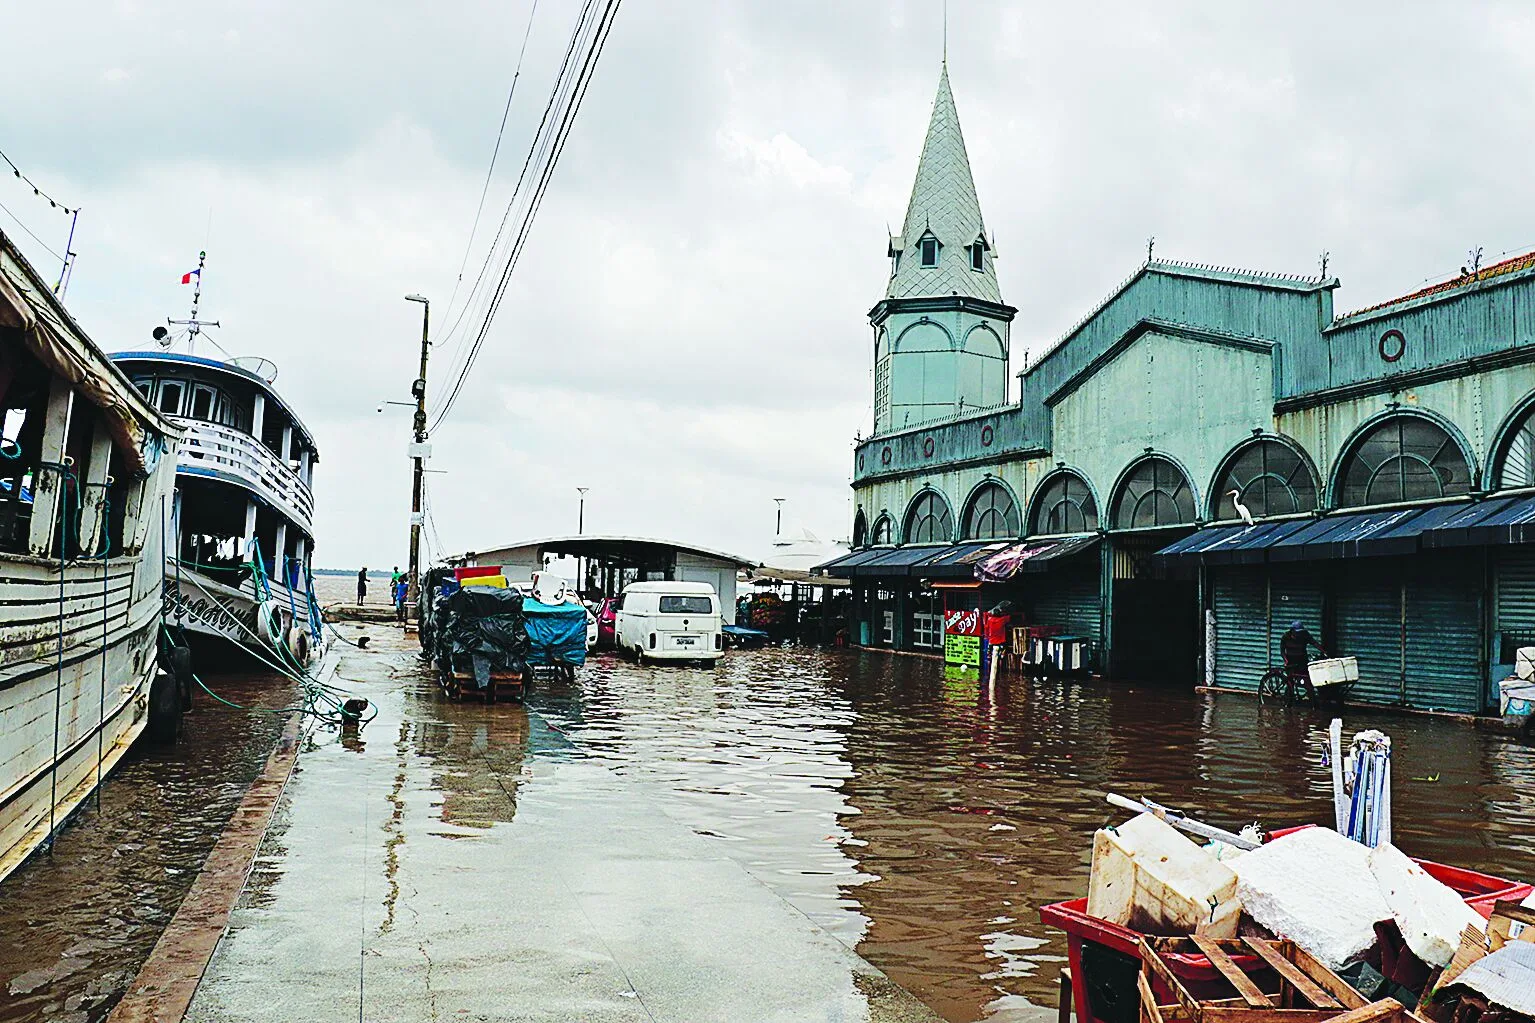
(208, 609)
(70, 711)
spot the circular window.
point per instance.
(1392, 345)
(986, 436)
(927, 447)
(884, 456)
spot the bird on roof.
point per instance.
(1242, 512)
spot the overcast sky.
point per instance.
(686, 334)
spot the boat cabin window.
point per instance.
(145, 386)
(202, 403)
(170, 397)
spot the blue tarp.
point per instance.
(556, 633)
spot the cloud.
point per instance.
(686, 333)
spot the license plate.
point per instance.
(684, 640)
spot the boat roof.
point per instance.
(51, 334)
(229, 369)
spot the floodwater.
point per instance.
(920, 819)
(76, 926)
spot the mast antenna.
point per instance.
(194, 325)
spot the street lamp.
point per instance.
(418, 454)
(778, 527)
(581, 511)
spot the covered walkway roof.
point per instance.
(1359, 534)
(635, 551)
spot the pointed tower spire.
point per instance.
(943, 208)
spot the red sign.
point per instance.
(962, 623)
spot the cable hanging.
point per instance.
(547, 148)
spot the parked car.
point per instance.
(670, 621)
(607, 623)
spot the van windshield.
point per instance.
(687, 605)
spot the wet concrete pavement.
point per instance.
(678, 843)
(471, 862)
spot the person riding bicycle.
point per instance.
(1293, 647)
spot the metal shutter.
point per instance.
(1241, 627)
(1516, 589)
(1368, 616)
(1068, 596)
(1444, 633)
(1295, 595)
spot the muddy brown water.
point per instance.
(919, 818)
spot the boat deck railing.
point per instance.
(232, 453)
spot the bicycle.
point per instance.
(1290, 684)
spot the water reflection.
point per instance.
(925, 818)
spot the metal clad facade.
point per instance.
(1241, 627)
(1444, 634)
(1368, 624)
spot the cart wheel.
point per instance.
(1273, 685)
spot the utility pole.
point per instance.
(418, 454)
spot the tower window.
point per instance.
(930, 252)
(895, 264)
(977, 261)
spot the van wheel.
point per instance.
(639, 655)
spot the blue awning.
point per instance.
(838, 564)
(897, 561)
(957, 561)
(1234, 544)
(1498, 521)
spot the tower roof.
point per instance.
(943, 203)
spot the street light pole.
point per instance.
(778, 526)
(418, 390)
(581, 512)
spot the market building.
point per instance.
(1387, 457)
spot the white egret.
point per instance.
(1242, 512)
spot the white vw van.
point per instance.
(670, 621)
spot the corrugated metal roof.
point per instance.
(893, 562)
(855, 558)
(943, 201)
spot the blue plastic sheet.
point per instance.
(556, 633)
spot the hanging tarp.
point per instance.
(556, 633)
(1031, 555)
(50, 334)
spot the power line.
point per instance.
(536, 148)
(489, 171)
(29, 231)
(560, 136)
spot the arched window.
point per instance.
(1516, 462)
(860, 529)
(884, 526)
(992, 513)
(1270, 478)
(929, 520)
(1403, 458)
(1154, 493)
(1064, 505)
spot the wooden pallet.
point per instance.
(504, 685)
(1306, 991)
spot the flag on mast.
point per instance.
(186, 278)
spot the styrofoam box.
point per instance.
(1332, 670)
(1148, 876)
(1524, 662)
(1518, 697)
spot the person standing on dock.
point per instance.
(362, 585)
(400, 591)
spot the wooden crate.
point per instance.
(1306, 990)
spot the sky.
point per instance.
(686, 334)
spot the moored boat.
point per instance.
(239, 567)
(86, 472)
